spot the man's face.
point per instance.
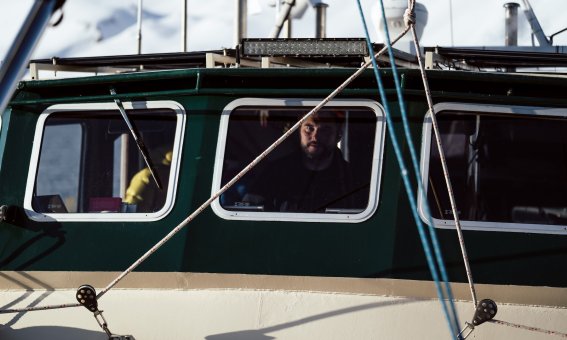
(318, 137)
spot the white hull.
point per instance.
(266, 307)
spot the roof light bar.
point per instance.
(306, 47)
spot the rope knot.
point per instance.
(409, 17)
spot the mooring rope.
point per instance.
(409, 19)
(221, 190)
(529, 328)
(445, 296)
(240, 174)
(31, 309)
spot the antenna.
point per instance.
(451, 22)
(139, 35)
(184, 26)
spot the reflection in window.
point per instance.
(89, 162)
(58, 190)
(503, 168)
(323, 167)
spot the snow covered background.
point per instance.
(109, 27)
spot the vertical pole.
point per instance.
(282, 16)
(287, 27)
(139, 36)
(240, 21)
(321, 20)
(184, 26)
(451, 22)
(511, 28)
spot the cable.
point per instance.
(452, 319)
(444, 166)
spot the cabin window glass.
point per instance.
(508, 170)
(88, 162)
(321, 171)
(61, 147)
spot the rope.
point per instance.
(529, 328)
(220, 191)
(31, 309)
(240, 174)
(409, 19)
(443, 161)
(452, 318)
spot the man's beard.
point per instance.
(321, 153)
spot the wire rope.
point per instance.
(445, 297)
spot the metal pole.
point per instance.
(511, 28)
(321, 20)
(20, 52)
(287, 27)
(451, 22)
(184, 26)
(282, 17)
(240, 21)
(534, 24)
(140, 26)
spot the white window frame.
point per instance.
(376, 171)
(97, 216)
(425, 153)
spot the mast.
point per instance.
(184, 26)
(139, 35)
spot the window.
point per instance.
(327, 170)
(88, 165)
(508, 167)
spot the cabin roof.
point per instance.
(483, 58)
(227, 58)
(448, 58)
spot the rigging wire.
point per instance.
(220, 191)
(239, 175)
(410, 25)
(529, 328)
(410, 21)
(444, 166)
(445, 296)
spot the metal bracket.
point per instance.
(86, 296)
(485, 311)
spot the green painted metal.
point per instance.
(386, 245)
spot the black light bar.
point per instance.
(304, 47)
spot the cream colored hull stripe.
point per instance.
(524, 295)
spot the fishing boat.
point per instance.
(176, 195)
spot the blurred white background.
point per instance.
(108, 27)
